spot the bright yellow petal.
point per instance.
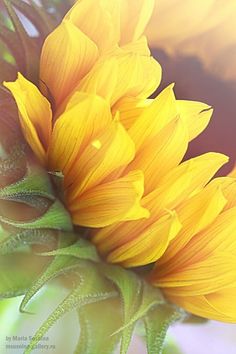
(163, 153)
(143, 79)
(154, 118)
(195, 214)
(85, 118)
(201, 306)
(196, 115)
(132, 27)
(228, 186)
(217, 238)
(94, 19)
(203, 169)
(224, 302)
(34, 113)
(96, 163)
(139, 46)
(200, 278)
(173, 189)
(67, 56)
(111, 202)
(149, 245)
(130, 109)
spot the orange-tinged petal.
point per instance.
(195, 214)
(201, 306)
(217, 238)
(67, 56)
(85, 118)
(202, 277)
(35, 114)
(149, 245)
(111, 202)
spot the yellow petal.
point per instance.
(85, 118)
(217, 238)
(132, 27)
(160, 155)
(203, 169)
(201, 306)
(108, 203)
(203, 277)
(95, 165)
(67, 56)
(35, 115)
(154, 118)
(224, 302)
(195, 214)
(174, 188)
(130, 109)
(149, 245)
(196, 115)
(143, 79)
(102, 79)
(94, 19)
(228, 186)
(139, 46)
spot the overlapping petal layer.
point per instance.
(197, 270)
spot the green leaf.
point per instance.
(157, 322)
(81, 249)
(97, 326)
(15, 274)
(59, 265)
(93, 287)
(56, 218)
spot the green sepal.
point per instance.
(82, 249)
(92, 287)
(35, 183)
(59, 265)
(157, 322)
(56, 218)
(11, 243)
(137, 296)
(98, 322)
(15, 274)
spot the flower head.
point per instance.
(93, 120)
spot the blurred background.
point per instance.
(195, 42)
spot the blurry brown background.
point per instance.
(194, 82)
(195, 42)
